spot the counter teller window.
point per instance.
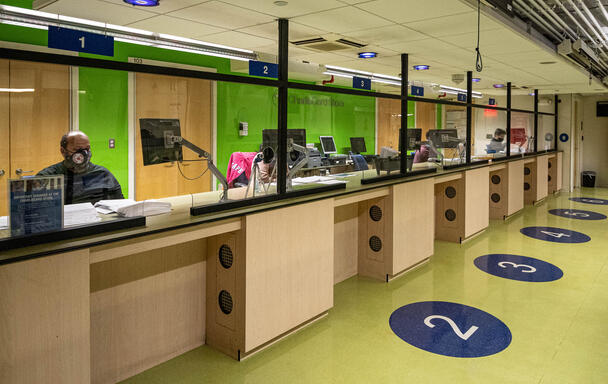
(489, 133)
(132, 144)
(546, 132)
(341, 143)
(522, 132)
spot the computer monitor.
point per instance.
(414, 137)
(357, 145)
(328, 145)
(155, 149)
(270, 137)
(444, 138)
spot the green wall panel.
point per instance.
(18, 3)
(103, 104)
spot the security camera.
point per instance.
(458, 78)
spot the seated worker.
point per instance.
(425, 152)
(84, 182)
(497, 144)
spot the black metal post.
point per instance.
(508, 119)
(469, 113)
(282, 106)
(555, 135)
(403, 134)
(536, 120)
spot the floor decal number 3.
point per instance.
(558, 235)
(463, 336)
(503, 264)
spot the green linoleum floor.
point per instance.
(559, 328)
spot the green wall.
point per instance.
(18, 3)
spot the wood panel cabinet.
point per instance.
(186, 99)
(35, 113)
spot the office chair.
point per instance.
(359, 163)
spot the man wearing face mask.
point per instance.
(497, 144)
(85, 182)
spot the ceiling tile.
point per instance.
(222, 15)
(177, 27)
(450, 25)
(98, 11)
(387, 35)
(271, 31)
(237, 40)
(402, 11)
(342, 20)
(292, 9)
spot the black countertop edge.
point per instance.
(255, 209)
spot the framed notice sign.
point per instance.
(35, 205)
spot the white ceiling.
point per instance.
(440, 33)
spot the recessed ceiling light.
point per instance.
(367, 55)
(421, 67)
(476, 79)
(498, 85)
(548, 62)
(280, 3)
(531, 94)
(143, 3)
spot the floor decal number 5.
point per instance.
(463, 336)
(558, 235)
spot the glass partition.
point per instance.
(131, 144)
(338, 135)
(451, 143)
(423, 133)
(489, 133)
(546, 132)
(522, 132)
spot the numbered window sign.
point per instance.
(589, 200)
(577, 214)
(520, 268)
(362, 83)
(462, 97)
(262, 69)
(80, 41)
(556, 235)
(450, 329)
(417, 91)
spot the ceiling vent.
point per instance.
(328, 43)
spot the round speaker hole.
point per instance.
(375, 213)
(526, 186)
(495, 197)
(225, 302)
(527, 171)
(450, 215)
(226, 256)
(375, 243)
(495, 179)
(450, 192)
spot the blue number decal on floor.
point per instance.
(556, 235)
(577, 214)
(450, 329)
(589, 200)
(520, 268)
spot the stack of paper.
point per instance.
(79, 214)
(132, 208)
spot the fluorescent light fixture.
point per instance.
(367, 55)
(42, 20)
(26, 25)
(17, 90)
(143, 3)
(476, 79)
(421, 67)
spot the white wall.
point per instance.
(595, 143)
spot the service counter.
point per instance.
(104, 308)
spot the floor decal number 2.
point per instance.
(457, 331)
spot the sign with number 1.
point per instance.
(80, 41)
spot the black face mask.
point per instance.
(78, 161)
(499, 139)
